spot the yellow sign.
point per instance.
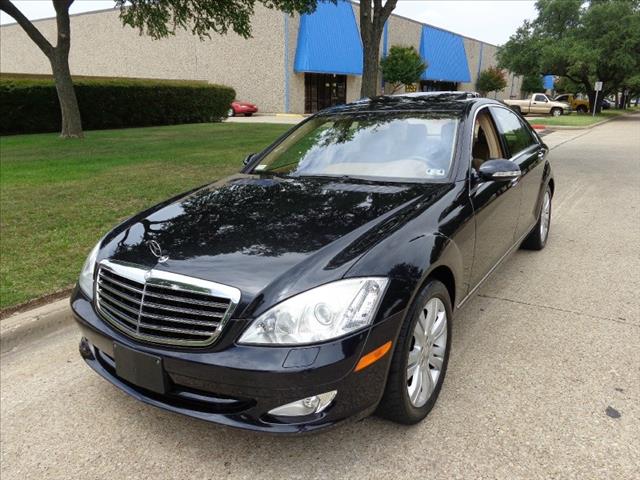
(412, 87)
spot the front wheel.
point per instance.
(420, 359)
(556, 112)
(537, 239)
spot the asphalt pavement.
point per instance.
(543, 381)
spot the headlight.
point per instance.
(320, 314)
(86, 275)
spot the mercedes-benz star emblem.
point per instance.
(156, 250)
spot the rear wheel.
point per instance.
(581, 109)
(420, 359)
(248, 114)
(556, 112)
(537, 239)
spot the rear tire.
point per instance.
(581, 109)
(403, 400)
(537, 238)
(248, 114)
(556, 112)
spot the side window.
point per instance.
(562, 98)
(539, 98)
(486, 144)
(516, 134)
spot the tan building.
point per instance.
(291, 64)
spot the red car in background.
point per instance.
(238, 107)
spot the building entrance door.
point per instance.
(323, 90)
(433, 86)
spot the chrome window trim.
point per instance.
(174, 281)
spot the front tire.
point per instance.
(556, 112)
(420, 359)
(537, 239)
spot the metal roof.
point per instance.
(445, 56)
(329, 41)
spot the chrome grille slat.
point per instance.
(175, 329)
(132, 299)
(120, 284)
(167, 318)
(116, 292)
(119, 304)
(191, 311)
(174, 298)
(120, 315)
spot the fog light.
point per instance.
(306, 406)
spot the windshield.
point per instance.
(407, 146)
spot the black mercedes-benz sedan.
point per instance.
(319, 283)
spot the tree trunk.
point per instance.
(372, 22)
(370, 71)
(71, 120)
(58, 58)
(592, 101)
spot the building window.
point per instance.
(433, 86)
(323, 90)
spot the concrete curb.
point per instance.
(39, 321)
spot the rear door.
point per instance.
(496, 204)
(522, 147)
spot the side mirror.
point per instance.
(248, 159)
(546, 100)
(499, 170)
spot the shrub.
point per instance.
(403, 66)
(30, 105)
(490, 80)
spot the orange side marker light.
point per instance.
(373, 356)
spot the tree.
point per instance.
(582, 41)
(402, 66)
(532, 84)
(491, 80)
(157, 18)
(373, 15)
(58, 57)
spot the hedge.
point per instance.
(30, 105)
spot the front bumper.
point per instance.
(237, 385)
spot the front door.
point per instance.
(496, 204)
(539, 104)
(323, 90)
(528, 153)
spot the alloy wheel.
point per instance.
(545, 216)
(428, 348)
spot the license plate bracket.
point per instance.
(139, 368)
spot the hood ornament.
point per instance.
(156, 250)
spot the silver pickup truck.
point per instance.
(540, 104)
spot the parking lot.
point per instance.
(543, 382)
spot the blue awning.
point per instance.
(548, 81)
(329, 41)
(445, 56)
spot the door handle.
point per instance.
(540, 153)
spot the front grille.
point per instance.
(163, 307)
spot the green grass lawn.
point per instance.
(576, 120)
(58, 197)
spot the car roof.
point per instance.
(454, 102)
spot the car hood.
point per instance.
(251, 232)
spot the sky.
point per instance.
(490, 21)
